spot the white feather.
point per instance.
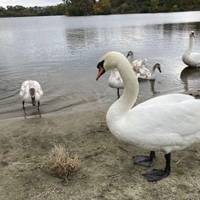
(169, 122)
(189, 57)
(25, 90)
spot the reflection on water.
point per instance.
(190, 77)
(62, 52)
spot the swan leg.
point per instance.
(145, 161)
(23, 106)
(152, 83)
(118, 94)
(39, 109)
(159, 174)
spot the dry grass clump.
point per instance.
(61, 163)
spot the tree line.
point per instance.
(99, 7)
(21, 11)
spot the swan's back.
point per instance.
(180, 117)
(166, 122)
(191, 59)
(166, 99)
(144, 73)
(27, 85)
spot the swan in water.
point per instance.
(115, 81)
(191, 58)
(139, 66)
(145, 73)
(168, 123)
(136, 63)
(31, 92)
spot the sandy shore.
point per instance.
(107, 171)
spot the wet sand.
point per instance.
(107, 171)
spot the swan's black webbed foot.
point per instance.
(155, 175)
(159, 174)
(145, 161)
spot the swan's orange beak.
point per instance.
(100, 72)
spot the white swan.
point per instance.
(191, 58)
(146, 74)
(167, 123)
(115, 81)
(136, 63)
(31, 92)
(139, 66)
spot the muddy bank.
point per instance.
(107, 171)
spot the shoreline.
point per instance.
(106, 172)
(134, 13)
(86, 106)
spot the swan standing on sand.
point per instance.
(191, 58)
(167, 123)
(31, 92)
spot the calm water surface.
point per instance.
(62, 52)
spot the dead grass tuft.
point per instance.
(61, 163)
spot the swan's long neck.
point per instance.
(154, 69)
(190, 44)
(130, 58)
(131, 89)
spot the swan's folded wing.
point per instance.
(168, 99)
(195, 57)
(144, 72)
(23, 88)
(180, 118)
(38, 88)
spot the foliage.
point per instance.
(102, 7)
(20, 11)
(96, 7)
(77, 7)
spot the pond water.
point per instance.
(62, 53)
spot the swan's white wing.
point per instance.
(137, 63)
(180, 117)
(195, 57)
(23, 89)
(166, 126)
(144, 72)
(26, 85)
(166, 99)
(38, 89)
